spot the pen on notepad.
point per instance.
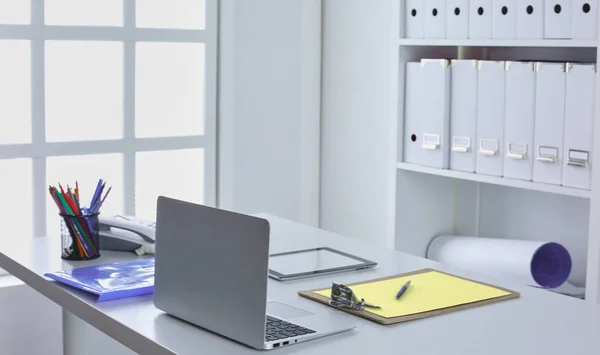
(403, 289)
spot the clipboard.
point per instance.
(367, 314)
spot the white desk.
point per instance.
(539, 322)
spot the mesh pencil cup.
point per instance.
(80, 237)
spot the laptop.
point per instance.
(211, 270)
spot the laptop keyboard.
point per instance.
(278, 329)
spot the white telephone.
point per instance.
(127, 233)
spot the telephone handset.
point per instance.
(127, 233)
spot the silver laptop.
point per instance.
(212, 271)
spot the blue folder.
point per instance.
(111, 281)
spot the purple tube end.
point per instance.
(551, 265)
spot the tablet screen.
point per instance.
(309, 261)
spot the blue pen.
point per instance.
(403, 289)
(96, 194)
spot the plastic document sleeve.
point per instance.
(111, 281)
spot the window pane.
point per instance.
(182, 14)
(16, 218)
(84, 90)
(15, 92)
(169, 92)
(15, 12)
(177, 174)
(84, 13)
(86, 169)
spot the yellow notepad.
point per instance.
(428, 291)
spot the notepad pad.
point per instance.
(431, 292)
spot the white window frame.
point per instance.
(38, 150)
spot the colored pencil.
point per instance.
(76, 222)
(68, 202)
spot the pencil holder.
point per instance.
(80, 237)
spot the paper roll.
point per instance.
(570, 290)
(534, 263)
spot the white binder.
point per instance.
(557, 19)
(519, 120)
(505, 18)
(426, 116)
(480, 19)
(414, 16)
(549, 122)
(435, 18)
(530, 19)
(457, 19)
(579, 117)
(490, 118)
(584, 19)
(463, 114)
(413, 112)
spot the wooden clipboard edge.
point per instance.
(310, 294)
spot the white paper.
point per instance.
(506, 258)
(570, 290)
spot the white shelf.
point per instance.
(494, 180)
(556, 43)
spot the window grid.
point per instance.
(37, 33)
(38, 124)
(129, 108)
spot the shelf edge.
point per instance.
(539, 43)
(495, 180)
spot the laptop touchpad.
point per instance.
(281, 310)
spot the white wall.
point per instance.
(29, 323)
(358, 127)
(269, 107)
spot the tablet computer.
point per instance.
(312, 262)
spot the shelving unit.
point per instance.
(431, 202)
(494, 180)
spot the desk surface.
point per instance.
(539, 322)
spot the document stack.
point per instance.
(522, 120)
(501, 19)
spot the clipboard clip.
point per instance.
(343, 297)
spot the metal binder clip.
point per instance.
(343, 297)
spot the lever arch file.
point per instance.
(463, 115)
(414, 16)
(505, 19)
(490, 118)
(480, 19)
(530, 19)
(457, 19)
(427, 113)
(584, 19)
(519, 120)
(435, 18)
(549, 122)
(557, 19)
(579, 119)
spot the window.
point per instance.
(122, 90)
